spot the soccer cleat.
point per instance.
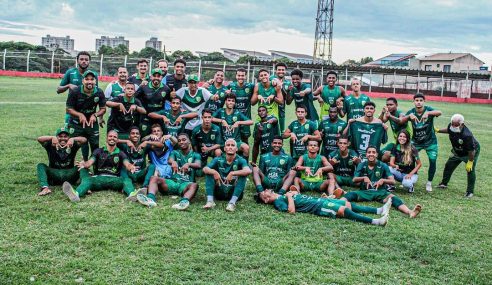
(386, 207)
(468, 195)
(144, 200)
(442, 186)
(209, 205)
(411, 190)
(428, 186)
(181, 206)
(231, 207)
(391, 188)
(416, 211)
(133, 196)
(71, 194)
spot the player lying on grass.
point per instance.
(275, 171)
(108, 162)
(184, 163)
(61, 167)
(312, 167)
(225, 177)
(373, 175)
(344, 162)
(293, 202)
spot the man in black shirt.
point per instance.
(61, 151)
(82, 103)
(465, 149)
(177, 80)
(108, 163)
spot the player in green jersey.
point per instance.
(391, 113)
(218, 90)
(344, 161)
(465, 148)
(330, 130)
(267, 95)
(125, 112)
(275, 171)
(108, 162)
(184, 162)
(141, 78)
(300, 131)
(61, 151)
(231, 121)
(174, 120)
(293, 202)
(353, 105)
(366, 131)
(278, 79)
(424, 137)
(193, 99)
(265, 130)
(207, 138)
(137, 151)
(301, 94)
(153, 97)
(73, 77)
(117, 87)
(313, 167)
(82, 104)
(373, 175)
(226, 177)
(329, 95)
(243, 91)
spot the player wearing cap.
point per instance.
(275, 170)
(266, 94)
(125, 112)
(153, 97)
(373, 175)
(225, 177)
(231, 121)
(61, 167)
(108, 162)
(293, 202)
(193, 100)
(82, 104)
(313, 168)
(243, 91)
(329, 95)
(465, 148)
(141, 78)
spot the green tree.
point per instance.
(186, 55)
(366, 59)
(149, 52)
(106, 50)
(245, 58)
(121, 50)
(215, 57)
(284, 60)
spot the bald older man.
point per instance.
(465, 149)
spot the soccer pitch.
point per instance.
(106, 240)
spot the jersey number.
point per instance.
(365, 141)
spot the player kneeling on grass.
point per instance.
(225, 177)
(373, 175)
(108, 162)
(61, 151)
(312, 167)
(293, 202)
(184, 163)
(344, 162)
(405, 161)
(275, 171)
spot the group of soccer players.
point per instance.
(163, 128)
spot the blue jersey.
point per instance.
(161, 160)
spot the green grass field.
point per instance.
(105, 240)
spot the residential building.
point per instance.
(235, 54)
(52, 43)
(393, 60)
(449, 62)
(111, 42)
(154, 43)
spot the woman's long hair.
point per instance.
(406, 148)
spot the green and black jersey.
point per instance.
(362, 135)
(264, 133)
(62, 158)
(243, 96)
(181, 159)
(330, 131)
(122, 122)
(153, 98)
(137, 80)
(298, 148)
(379, 171)
(173, 128)
(85, 103)
(201, 138)
(275, 167)
(306, 100)
(216, 105)
(73, 76)
(345, 166)
(235, 116)
(354, 107)
(423, 129)
(108, 163)
(136, 157)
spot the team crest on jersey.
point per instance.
(163, 94)
(190, 160)
(234, 167)
(212, 136)
(144, 127)
(198, 99)
(116, 159)
(378, 174)
(184, 85)
(460, 141)
(282, 161)
(350, 162)
(339, 128)
(96, 99)
(306, 127)
(221, 94)
(246, 90)
(69, 150)
(71, 130)
(234, 119)
(268, 126)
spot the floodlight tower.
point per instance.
(324, 31)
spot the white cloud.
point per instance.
(66, 10)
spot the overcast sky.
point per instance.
(361, 28)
